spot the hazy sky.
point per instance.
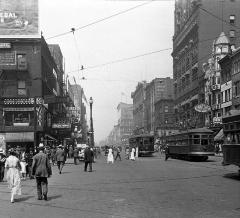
(145, 29)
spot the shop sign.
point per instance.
(22, 101)
(5, 45)
(18, 109)
(19, 137)
(202, 108)
(61, 125)
(7, 58)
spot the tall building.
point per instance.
(139, 108)
(212, 69)
(125, 122)
(31, 93)
(157, 89)
(196, 24)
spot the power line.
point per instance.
(102, 19)
(123, 59)
(219, 18)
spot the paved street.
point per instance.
(149, 187)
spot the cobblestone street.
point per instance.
(149, 187)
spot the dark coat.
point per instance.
(75, 152)
(88, 155)
(41, 166)
(60, 155)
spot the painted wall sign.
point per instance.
(19, 19)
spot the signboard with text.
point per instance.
(19, 19)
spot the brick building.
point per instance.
(197, 23)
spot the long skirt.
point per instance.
(23, 166)
(14, 181)
(110, 158)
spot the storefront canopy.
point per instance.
(219, 136)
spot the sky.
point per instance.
(145, 29)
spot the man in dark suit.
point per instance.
(60, 157)
(88, 159)
(41, 169)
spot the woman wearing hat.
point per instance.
(13, 167)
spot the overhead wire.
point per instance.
(102, 19)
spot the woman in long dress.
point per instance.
(110, 156)
(23, 164)
(13, 177)
(132, 157)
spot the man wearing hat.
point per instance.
(2, 164)
(41, 169)
(60, 157)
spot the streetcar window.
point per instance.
(196, 139)
(204, 142)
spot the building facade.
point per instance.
(31, 92)
(125, 122)
(213, 87)
(158, 89)
(139, 108)
(195, 27)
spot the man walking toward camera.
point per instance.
(88, 159)
(41, 169)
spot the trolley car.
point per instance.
(231, 145)
(144, 142)
(191, 144)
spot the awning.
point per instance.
(219, 136)
(19, 137)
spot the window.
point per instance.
(22, 88)
(232, 33)
(232, 19)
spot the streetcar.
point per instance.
(231, 145)
(192, 144)
(144, 143)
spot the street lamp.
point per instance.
(91, 124)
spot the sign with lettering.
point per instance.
(202, 108)
(7, 58)
(5, 45)
(12, 101)
(19, 19)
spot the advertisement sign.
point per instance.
(202, 108)
(19, 19)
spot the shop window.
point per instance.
(22, 88)
(232, 19)
(232, 33)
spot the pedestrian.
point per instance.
(88, 159)
(23, 164)
(127, 153)
(75, 155)
(41, 169)
(13, 167)
(118, 154)
(166, 152)
(2, 164)
(70, 153)
(53, 154)
(132, 156)
(60, 157)
(29, 159)
(110, 156)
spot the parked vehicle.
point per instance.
(231, 145)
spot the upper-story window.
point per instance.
(232, 33)
(232, 19)
(22, 88)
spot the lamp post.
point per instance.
(91, 124)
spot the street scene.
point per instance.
(120, 108)
(148, 187)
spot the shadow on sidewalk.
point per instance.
(23, 198)
(54, 197)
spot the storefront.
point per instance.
(22, 139)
